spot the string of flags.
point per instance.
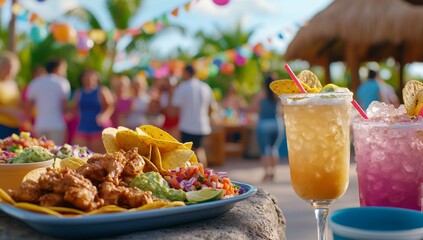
(223, 62)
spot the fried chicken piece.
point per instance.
(110, 193)
(127, 197)
(134, 197)
(28, 191)
(83, 199)
(114, 164)
(93, 170)
(101, 168)
(75, 189)
(52, 200)
(49, 180)
(133, 166)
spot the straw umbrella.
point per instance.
(354, 31)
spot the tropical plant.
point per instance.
(247, 78)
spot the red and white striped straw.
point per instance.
(298, 83)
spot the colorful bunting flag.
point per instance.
(175, 12)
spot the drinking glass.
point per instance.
(389, 158)
(318, 136)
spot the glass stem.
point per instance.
(321, 212)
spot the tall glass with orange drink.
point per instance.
(318, 136)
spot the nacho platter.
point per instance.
(109, 224)
(147, 179)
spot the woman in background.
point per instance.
(95, 106)
(269, 128)
(141, 104)
(10, 99)
(121, 85)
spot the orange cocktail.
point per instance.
(318, 134)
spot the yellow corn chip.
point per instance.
(410, 94)
(310, 79)
(5, 197)
(36, 208)
(108, 136)
(128, 139)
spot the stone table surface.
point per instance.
(257, 217)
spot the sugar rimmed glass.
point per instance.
(318, 137)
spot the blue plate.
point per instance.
(108, 224)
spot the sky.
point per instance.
(267, 18)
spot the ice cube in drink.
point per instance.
(389, 155)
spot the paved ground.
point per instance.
(299, 215)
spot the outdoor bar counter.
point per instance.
(257, 217)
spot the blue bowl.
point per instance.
(381, 223)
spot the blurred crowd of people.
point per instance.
(48, 107)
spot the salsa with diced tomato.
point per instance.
(195, 177)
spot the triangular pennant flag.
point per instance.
(33, 17)
(187, 6)
(41, 21)
(165, 21)
(175, 12)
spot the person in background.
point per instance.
(94, 104)
(233, 103)
(10, 98)
(141, 106)
(122, 96)
(193, 100)
(269, 128)
(166, 89)
(27, 126)
(387, 93)
(369, 91)
(49, 94)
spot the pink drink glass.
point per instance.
(389, 158)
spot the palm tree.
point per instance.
(102, 55)
(247, 78)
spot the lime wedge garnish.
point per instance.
(203, 195)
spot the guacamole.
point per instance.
(154, 182)
(32, 154)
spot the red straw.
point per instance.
(359, 109)
(297, 82)
(294, 77)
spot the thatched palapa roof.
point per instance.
(361, 30)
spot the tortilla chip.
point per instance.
(175, 204)
(35, 208)
(176, 158)
(193, 159)
(5, 197)
(65, 210)
(128, 139)
(310, 79)
(34, 174)
(188, 145)
(153, 205)
(287, 86)
(157, 133)
(107, 209)
(108, 136)
(156, 158)
(149, 166)
(70, 162)
(166, 146)
(410, 94)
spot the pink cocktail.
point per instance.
(389, 155)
